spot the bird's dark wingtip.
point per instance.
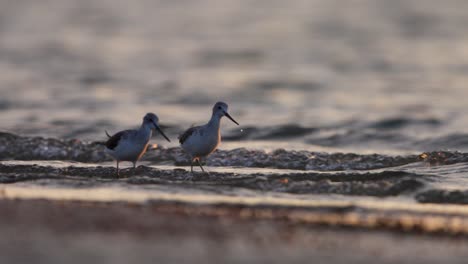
(182, 138)
(107, 134)
(113, 141)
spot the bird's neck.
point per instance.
(215, 122)
(145, 131)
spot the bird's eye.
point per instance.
(219, 107)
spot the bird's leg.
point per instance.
(190, 176)
(199, 164)
(118, 171)
(134, 168)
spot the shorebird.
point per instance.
(201, 141)
(130, 145)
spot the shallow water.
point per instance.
(358, 103)
(262, 174)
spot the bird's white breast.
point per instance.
(129, 149)
(202, 142)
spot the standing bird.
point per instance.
(130, 145)
(201, 141)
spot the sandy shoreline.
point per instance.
(68, 212)
(59, 231)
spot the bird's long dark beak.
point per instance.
(230, 117)
(160, 131)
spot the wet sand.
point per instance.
(62, 214)
(87, 232)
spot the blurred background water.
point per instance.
(355, 76)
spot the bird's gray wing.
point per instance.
(113, 141)
(187, 134)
